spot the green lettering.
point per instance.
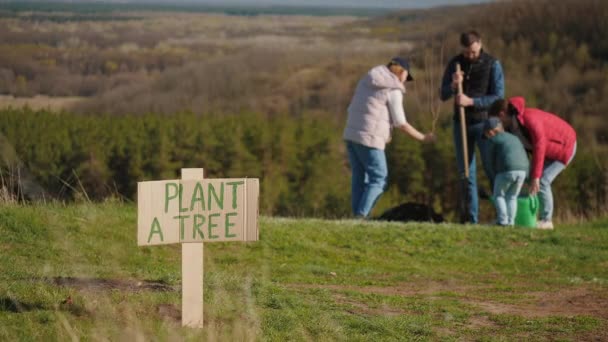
(155, 229)
(219, 200)
(197, 196)
(211, 226)
(181, 194)
(181, 224)
(169, 197)
(229, 224)
(197, 226)
(234, 192)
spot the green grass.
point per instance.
(305, 279)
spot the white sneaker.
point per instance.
(542, 224)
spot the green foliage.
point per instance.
(302, 163)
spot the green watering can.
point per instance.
(527, 210)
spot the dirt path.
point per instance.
(571, 301)
(98, 284)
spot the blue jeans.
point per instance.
(551, 169)
(474, 137)
(507, 186)
(369, 178)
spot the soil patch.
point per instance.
(97, 284)
(572, 301)
(13, 305)
(408, 212)
(576, 301)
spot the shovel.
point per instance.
(464, 180)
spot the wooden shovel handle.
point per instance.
(463, 129)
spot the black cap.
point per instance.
(404, 64)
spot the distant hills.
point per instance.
(231, 8)
(378, 4)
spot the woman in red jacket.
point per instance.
(551, 140)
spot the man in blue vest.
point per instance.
(482, 83)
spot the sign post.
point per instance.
(193, 210)
(192, 272)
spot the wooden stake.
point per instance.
(192, 272)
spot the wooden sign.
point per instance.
(211, 210)
(193, 210)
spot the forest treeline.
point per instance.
(301, 162)
(72, 156)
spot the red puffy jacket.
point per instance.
(552, 138)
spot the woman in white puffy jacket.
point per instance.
(376, 108)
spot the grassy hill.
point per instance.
(69, 272)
